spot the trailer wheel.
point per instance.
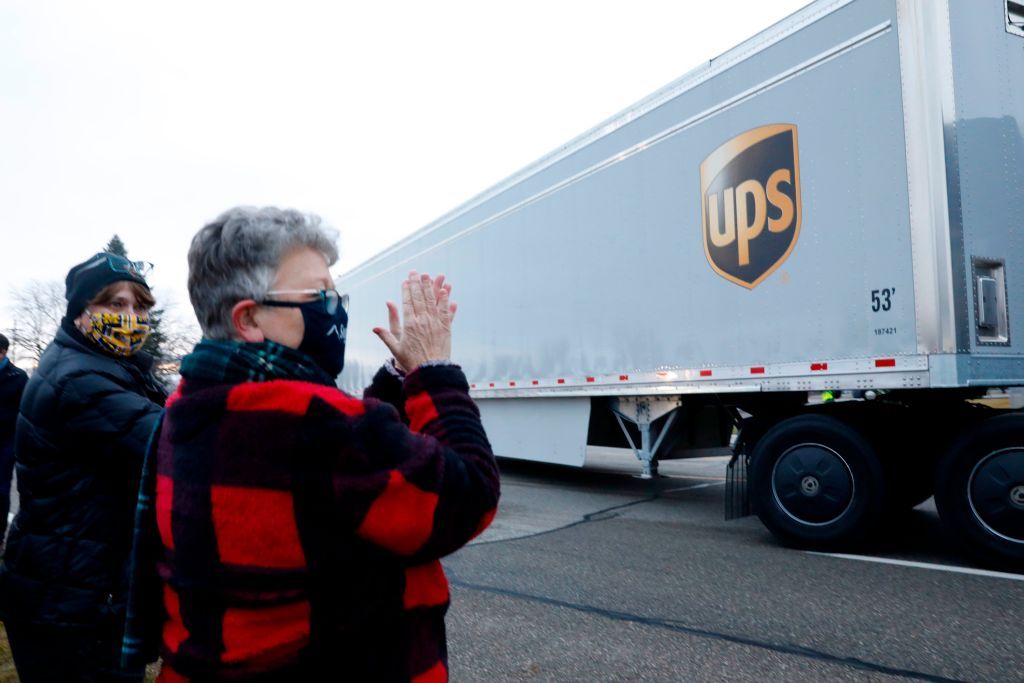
(816, 482)
(980, 490)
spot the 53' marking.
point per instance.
(881, 299)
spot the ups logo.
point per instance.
(750, 203)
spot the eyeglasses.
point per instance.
(330, 297)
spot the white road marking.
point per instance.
(926, 565)
(695, 486)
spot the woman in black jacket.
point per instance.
(85, 418)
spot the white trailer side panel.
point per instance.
(593, 263)
(550, 430)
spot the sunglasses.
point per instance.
(119, 264)
(330, 298)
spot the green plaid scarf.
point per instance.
(233, 362)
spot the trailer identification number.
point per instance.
(750, 203)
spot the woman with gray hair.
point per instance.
(295, 528)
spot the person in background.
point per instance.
(299, 528)
(86, 415)
(12, 383)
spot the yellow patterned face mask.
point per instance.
(122, 335)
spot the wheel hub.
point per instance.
(1017, 496)
(812, 484)
(996, 493)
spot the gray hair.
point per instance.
(236, 256)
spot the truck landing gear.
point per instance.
(980, 490)
(643, 411)
(816, 483)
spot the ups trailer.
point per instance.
(832, 209)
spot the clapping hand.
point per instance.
(424, 330)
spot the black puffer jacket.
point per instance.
(12, 383)
(82, 430)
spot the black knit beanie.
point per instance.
(88, 278)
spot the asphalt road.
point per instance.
(593, 575)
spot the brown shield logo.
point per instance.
(750, 203)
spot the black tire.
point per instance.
(816, 483)
(980, 491)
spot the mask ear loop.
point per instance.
(79, 325)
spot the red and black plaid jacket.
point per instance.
(302, 527)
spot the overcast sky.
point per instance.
(148, 119)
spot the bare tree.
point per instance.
(177, 339)
(39, 306)
(37, 309)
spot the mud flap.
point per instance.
(737, 490)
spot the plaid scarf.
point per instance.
(233, 362)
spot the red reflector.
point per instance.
(818, 367)
(623, 378)
(511, 384)
(590, 379)
(561, 381)
(705, 373)
(535, 382)
(472, 386)
(885, 363)
(492, 385)
(756, 371)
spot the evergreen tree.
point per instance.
(116, 246)
(155, 341)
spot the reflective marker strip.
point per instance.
(783, 374)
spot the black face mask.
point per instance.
(324, 339)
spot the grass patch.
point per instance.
(8, 674)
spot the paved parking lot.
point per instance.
(594, 575)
